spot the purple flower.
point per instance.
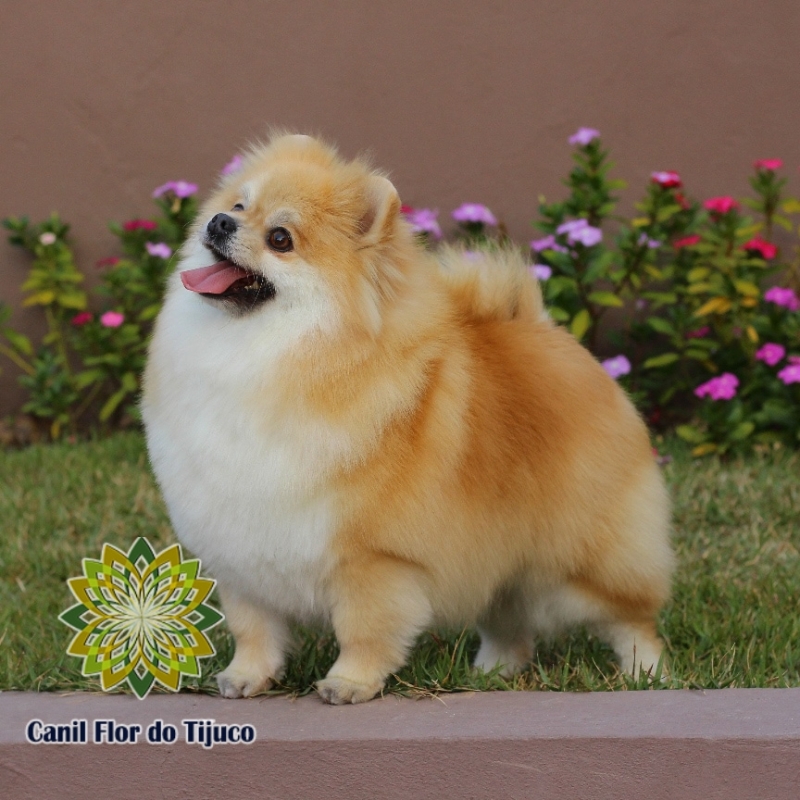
(771, 353)
(790, 374)
(162, 250)
(178, 188)
(653, 244)
(721, 388)
(474, 212)
(112, 319)
(540, 271)
(783, 297)
(616, 367)
(580, 231)
(47, 238)
(423, 220)
(234, 165)
(583, 136)
(641, 304)
(548, 243)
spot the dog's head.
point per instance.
(297, 226)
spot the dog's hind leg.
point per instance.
(506, 634)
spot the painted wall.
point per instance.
(102, 101)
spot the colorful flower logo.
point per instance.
(141, 617)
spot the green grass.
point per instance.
(734, 619)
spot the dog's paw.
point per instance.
(234, 683)
(339, 691)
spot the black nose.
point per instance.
(221, 225)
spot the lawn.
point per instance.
(734, 619)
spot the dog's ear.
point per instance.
(383, 205)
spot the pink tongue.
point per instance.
(216, 279)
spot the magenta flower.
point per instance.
(783, 297)
(81, 319)
(721, 388)
(547, 243)
(616, 367)
(720, 205)
(687, 241)
(474, 212)
(112, 319)
(770, 164)
(765, 249)
(699, 333)
(178, 188)
(139, 225)
(667, 178)
(771, 353)
(234, 165)
(423, 220)
(160, 250)
(540, 271)
(47, 238)
(583, 136)
(790, 374)
(793, 359)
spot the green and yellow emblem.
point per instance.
(141, 617)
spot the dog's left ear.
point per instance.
(383, 206)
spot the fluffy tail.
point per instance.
(492, 284)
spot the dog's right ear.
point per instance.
(383, 205)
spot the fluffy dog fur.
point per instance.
(393, 440)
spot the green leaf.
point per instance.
(580, 324)
(129, 382)
(111, 404)
(558, 314)
(661, 361)
(690, 434)
(40, 299)
(76, 300)
(697, 274)
(599, 266)
(742, 431)
(19, 341)
(791, 206)
(661, 325)
(605, 299)
(87, 377)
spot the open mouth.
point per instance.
(226, 280)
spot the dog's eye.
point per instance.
(280, 239)
(238, 207)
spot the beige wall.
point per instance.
(102, 101)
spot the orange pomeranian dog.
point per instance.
(351, 429)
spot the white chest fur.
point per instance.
(244, 488)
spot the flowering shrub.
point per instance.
(710, 347)
(90, 363)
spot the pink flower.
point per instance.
(783, 297)
(617, 366)
(580, 231)
(81, 319)
(771, 353)
(667, 179)
(112, 319)
(474, 212)
(111, 261)
(178, 188)
(540, 271)
(699, 333)
(766, 249)
(720, 205)
(47, 238)
(653, 244)
(160, 250)
(583, 136)
(687, 241)
(234, 165)
(770, 164)
(423, 220)
(721, 388)
(793, 359)
(548, 243)
(139, 225)
(790, 374)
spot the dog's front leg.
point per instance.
(379, 607)
(261, 638)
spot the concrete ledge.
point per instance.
(727, 744)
